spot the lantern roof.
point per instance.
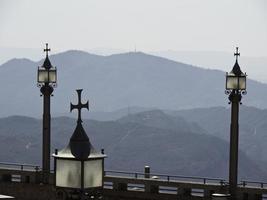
(79, 144)
(236, 71)
(47, 64)
(66, 153)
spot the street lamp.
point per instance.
(79, 166)
(235, 87)
(46, 80)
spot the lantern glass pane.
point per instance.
(231, 82)
(47, 76)
(93, 173)
(242, 83)
(68, 173)
(42, 75)
(52, 76)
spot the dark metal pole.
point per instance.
(235, 98)
(46, 90)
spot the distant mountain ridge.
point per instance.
(252, 127)
(214, 121)
(131, 144)
(254, 66)
(116, 81)
(159, 119)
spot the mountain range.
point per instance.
(117, 81)
(182, 142)
(214, 121)
(168, 144)
(252, 127)
(254, 65)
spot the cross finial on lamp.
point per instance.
(79, 106)
(46, 49)
(236, 54)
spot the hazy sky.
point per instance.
(150, 25)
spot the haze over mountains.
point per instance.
(254, 66)
(190, 132)
(213, 121)
(169, 144)
(252, 127)
(116, 81)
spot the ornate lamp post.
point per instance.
(46, 80)
(78, 167)
(235, 87)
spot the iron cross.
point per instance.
(237, 53)
(46, 49)
(79, 106)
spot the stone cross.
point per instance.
(79, 106)
(237, 53)
(46, 49)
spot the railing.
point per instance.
(166, 177)
(185, 187)
(153, 176)
(256, 184)
(19, 166)
(131, 184)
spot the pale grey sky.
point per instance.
(150, 25)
